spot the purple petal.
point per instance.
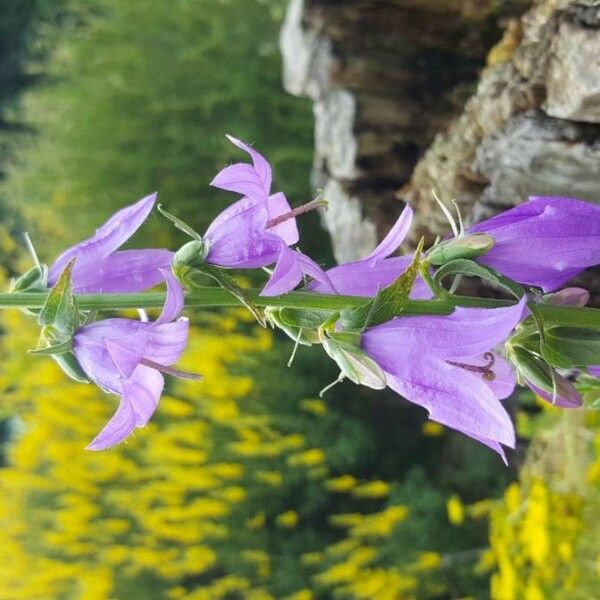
(365, 278)
(391, 242)
(465, 332)
(504, 381)
(174, 300)
(124, 358)
(241, 241)
(290, 270)
(567, 395)
(143, 392)
(288, 230)
(595, 371)
(115, 232)
(229, 213)
(261, 165)
(571, 296)
(241, 179)
(167, 342)
(453, 397)
(125, 271)
(117, 429)
(544, 242)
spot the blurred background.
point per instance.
(246, 486)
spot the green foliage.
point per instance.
(137, 97)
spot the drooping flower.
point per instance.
(257, 230)
(365, 277)
(128, 358)
(544, 242)
(101, 267)
(447, 365)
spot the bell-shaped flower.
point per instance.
(447, 365)
(544, 242)
(366, 277)
(257, 230)
(101, 267)
(128, 358)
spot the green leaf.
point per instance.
(309, 318)
(588, 318)
(54, 349)
(469, 268)
(227, 282)
(60, 310)
(388, 302)
(533, 368)
(180, 224)
(568, 347)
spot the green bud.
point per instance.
(193, 254)
(468, 246)
(355, 364)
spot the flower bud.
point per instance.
(192, 254)
(353, 362)
(467, 246)
(571, 296)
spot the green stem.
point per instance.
(210, 297)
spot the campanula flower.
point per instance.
(365, 277)
(447, 365)
(101, 267)
(128, 358)
(544, 242)
(257, 230)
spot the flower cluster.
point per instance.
(400, 327)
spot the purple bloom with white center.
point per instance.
(366, 277)
(543, 242)
(101, 267)
(127, 358)
(257, 230)
(447, 365)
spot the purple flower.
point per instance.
(257, 230)
(543, 242)
(100, 267)
(127, 358)
(365, 277)
(447, 365)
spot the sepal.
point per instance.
(467, 246)
(300, 324)
(60, 309)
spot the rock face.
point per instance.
(393, 121)
(385, 77)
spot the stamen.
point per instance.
(447, 214)
(485, 370)
(169, 371)
(31, 250)
(300, 210)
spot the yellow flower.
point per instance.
(287, 520)
(456, 510)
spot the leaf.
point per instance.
(469, 268)
(60, 309)
(227, 282)
(388, 303)
(181, 225)
(309, 318)
(568, 347)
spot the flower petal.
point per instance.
(453, 397)
(465, 332)
(288, 230)
(125, 271)
(117, 429)
(261, 164)
(366, 278)
(174, 300)
(166, 342)
(241, 241)
(391, 242)
(115, 232)
(290, 270)
(241, 179)
(143, 392)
